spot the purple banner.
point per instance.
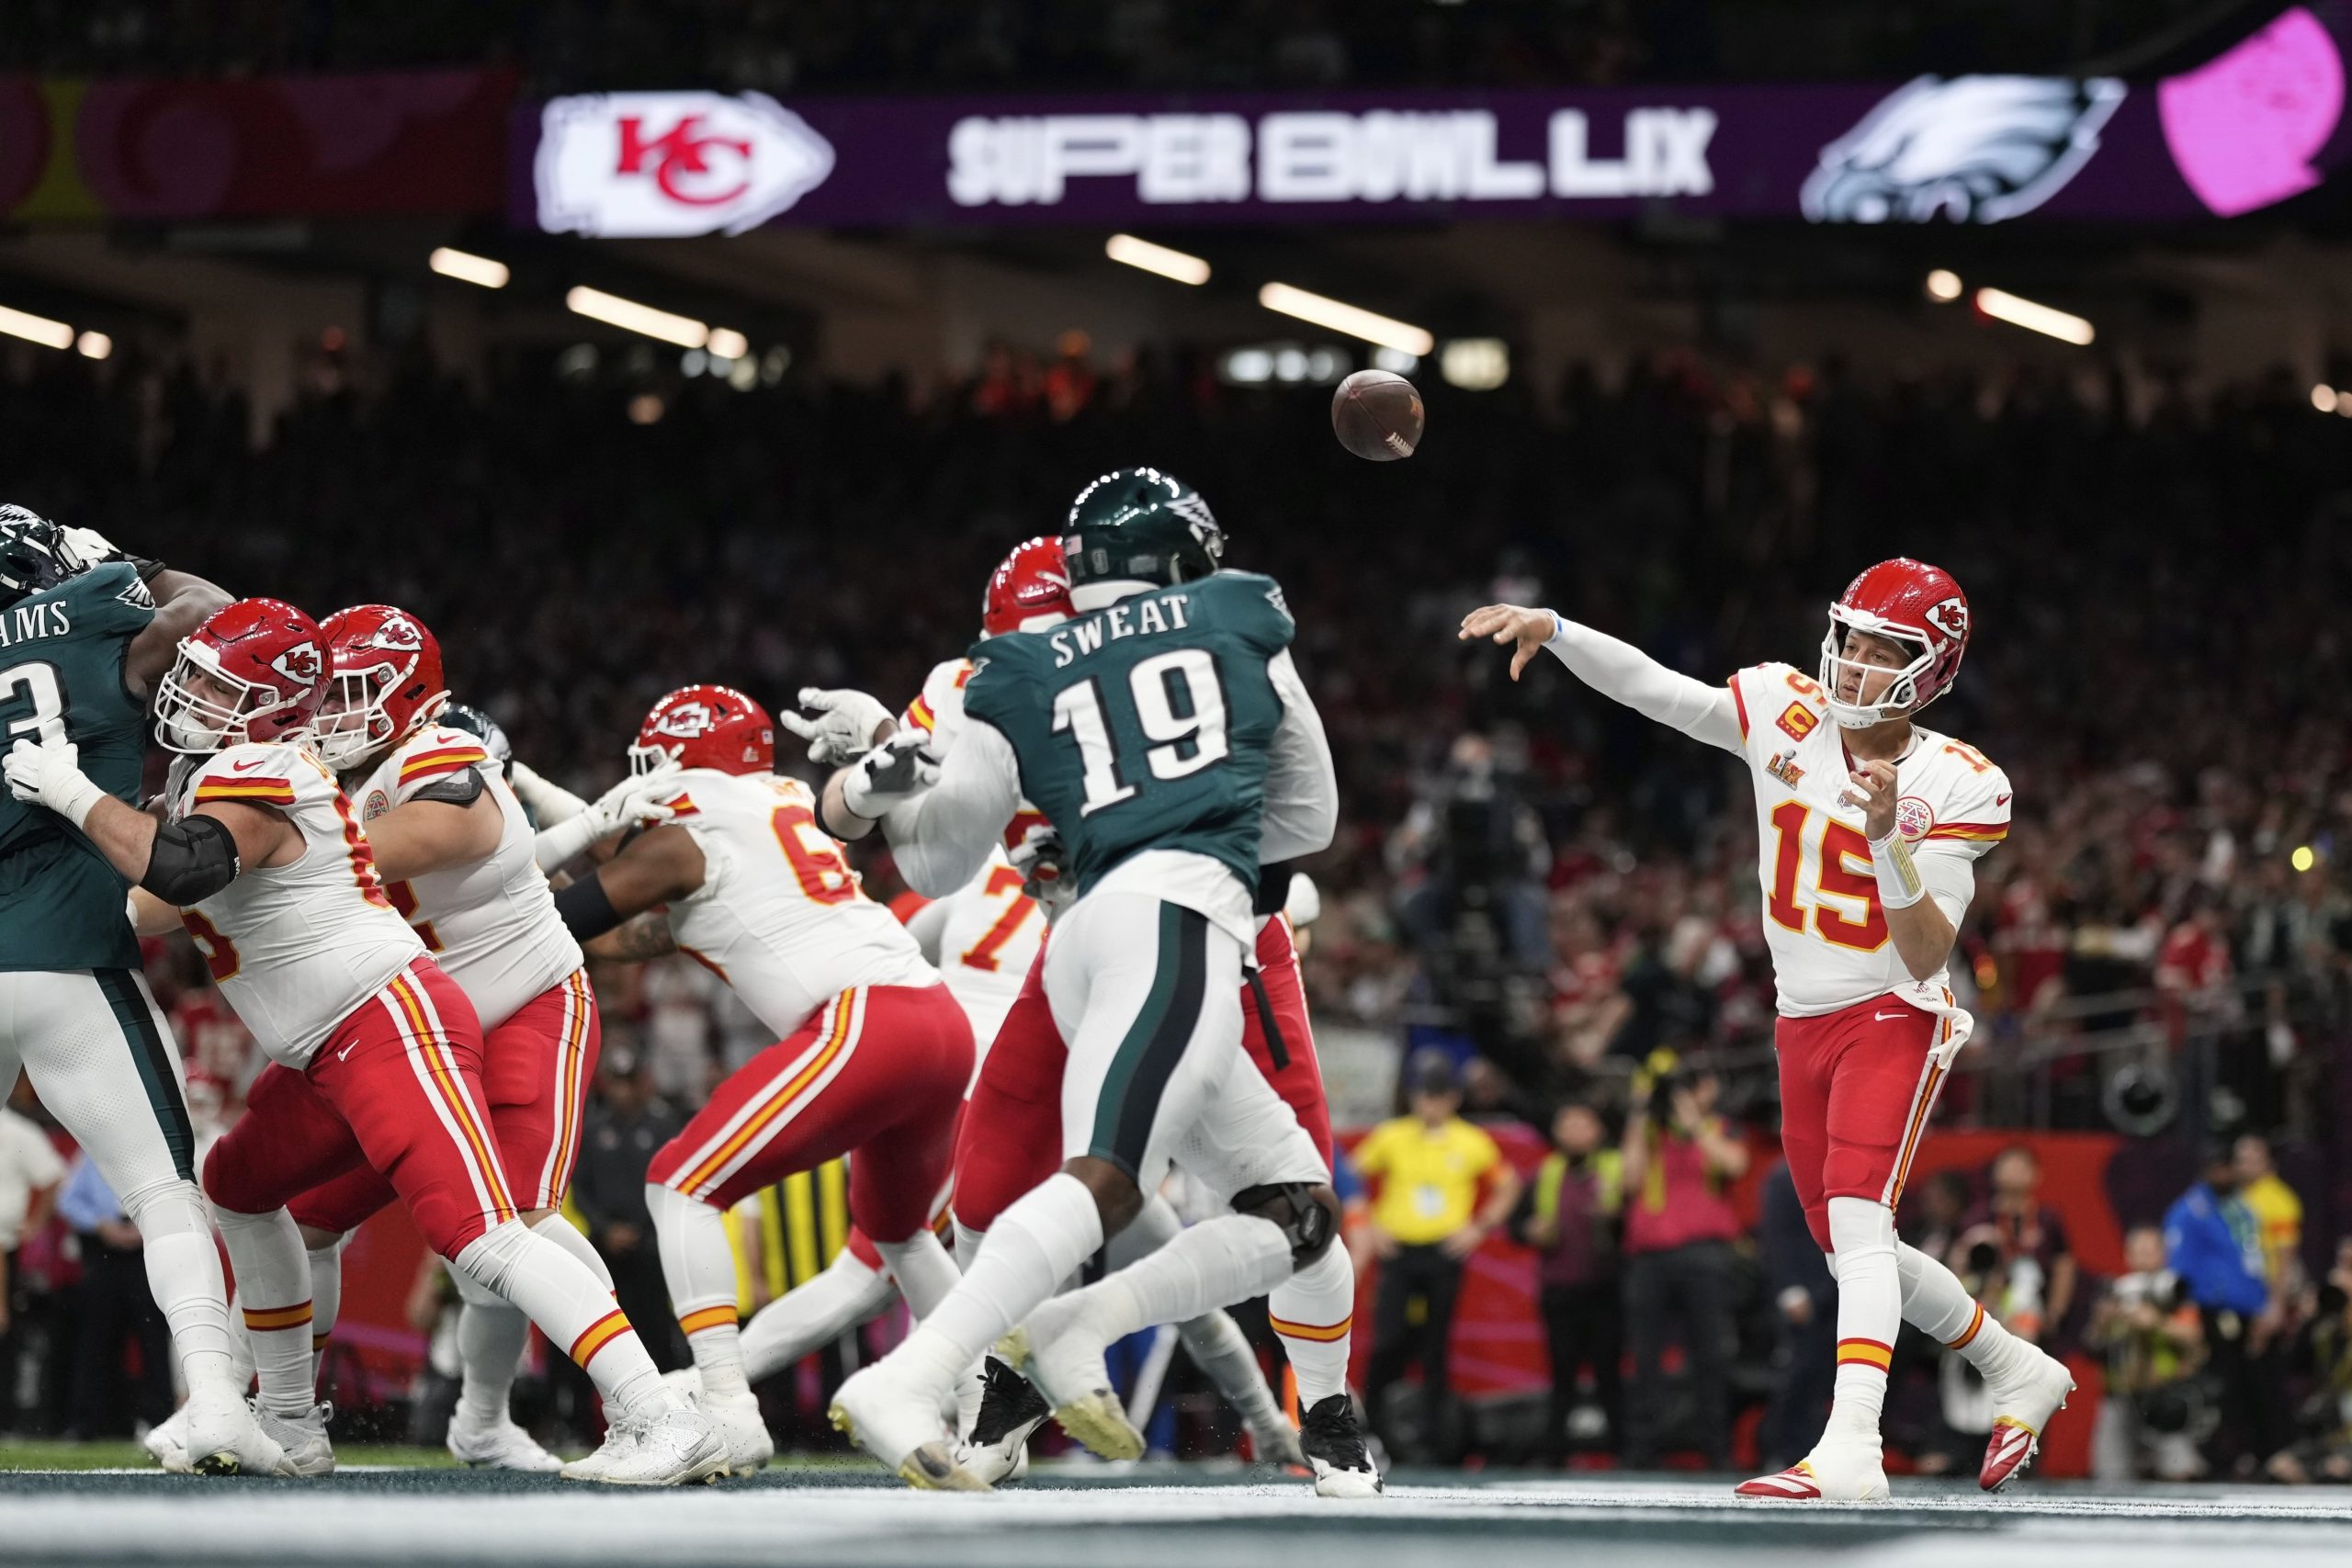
(2254, 126)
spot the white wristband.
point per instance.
(558, 844)
(1899, 882)
(77, 807)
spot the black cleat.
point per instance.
(1011, 1408)
(1335, 1449)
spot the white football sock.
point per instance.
(810, 1316)
(1219, 1261)
(326, 1290)
(1313, 1312)
(491, 1337)
(1214, 1340)
(274, 1287)
(923, 1268)
(184, 1276)
(968, 1245)
(1936, 1304)
(698, 1265)
(565, 1235)
(1033, 1247)
(241, 1349)
(571, 1305)
(1870, 1310)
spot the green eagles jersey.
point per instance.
(61, 677)
(1146, 724)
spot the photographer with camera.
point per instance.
(1678, 1158)
(2152, 1338)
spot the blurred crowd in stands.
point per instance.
(784, 46)
(1547, 891)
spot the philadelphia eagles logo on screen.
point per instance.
(1972, 150)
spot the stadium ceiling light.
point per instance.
(630, 316)
(1943, 285)
(2323, 398)
(466, 268)
(36, 329)
(1352, 320)
(727, 343)
(2034, 318)
(1131, 251)
(93, 345)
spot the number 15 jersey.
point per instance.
(779, 915)
(1831, 948)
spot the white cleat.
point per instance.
(2023, 1403)
(672, 1444)
(997, 1447)
(896, 1419)
(498, 1445)
(1064, 1361)
(303, 1438)
(743, 1430)
(168, 1442)
(1839, 1469)
(1332, 1446)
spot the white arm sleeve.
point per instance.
(1302, 807)
(926, 925)
(1951, 881)
(1624, 673)
(942, 837)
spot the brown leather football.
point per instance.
(1376, 415)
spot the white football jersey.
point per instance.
(491, 924)
(296, 949)
(1830, 945)
(938, 712)
(780, 916)
(990, 936)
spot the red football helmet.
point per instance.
(706, 726)
(257, 671)
(1914, 602)
(386, 683)
(1029, 588)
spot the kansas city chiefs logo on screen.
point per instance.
(1972, 150)
(686, 721)
(300, 662)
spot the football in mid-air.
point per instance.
(1376, 415)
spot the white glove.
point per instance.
(895, 771)
(550, 803)
(89, 547)
(842, 731)
(52, 775)
(1038, 858)
(625, 805)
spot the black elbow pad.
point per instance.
(587, 909)
(192, 859)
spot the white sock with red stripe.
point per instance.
(807, 1317)
(274, 1290)
(1313, 1312)
(923, 1268)
(1032, 1248)
(571, 1305)
(1870, 1311)
(1936, 1304)
(1211, 1265)
(565, 1235)
(698, 1265)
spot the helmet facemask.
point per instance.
(196, 723)
(646, 761)
(1897, 687)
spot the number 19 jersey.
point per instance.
(295, 948)
(780, 917)
(1831, 948)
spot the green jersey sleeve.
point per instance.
(1248, 606)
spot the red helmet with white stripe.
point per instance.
(255, 670)
(387, 686)
(706, 726)
(1915, 604)
(1029, 589)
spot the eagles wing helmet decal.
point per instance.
(1973, 149)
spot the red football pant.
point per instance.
(537, 1066)
(396, 1086)
(878, 1071)
(1856, 1087)
(1010, 1139)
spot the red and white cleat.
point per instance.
(2022, 1407)
(1833, 1472)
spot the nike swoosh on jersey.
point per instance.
(2000, 800)
(247, 765)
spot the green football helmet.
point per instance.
(34, 554)
(1139, 524)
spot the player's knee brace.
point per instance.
(1303, 1209)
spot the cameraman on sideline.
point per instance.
(2152, 1339)
(1679, 1226)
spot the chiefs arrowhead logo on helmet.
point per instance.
(299, 663)
(394, 634)
(686, 721)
